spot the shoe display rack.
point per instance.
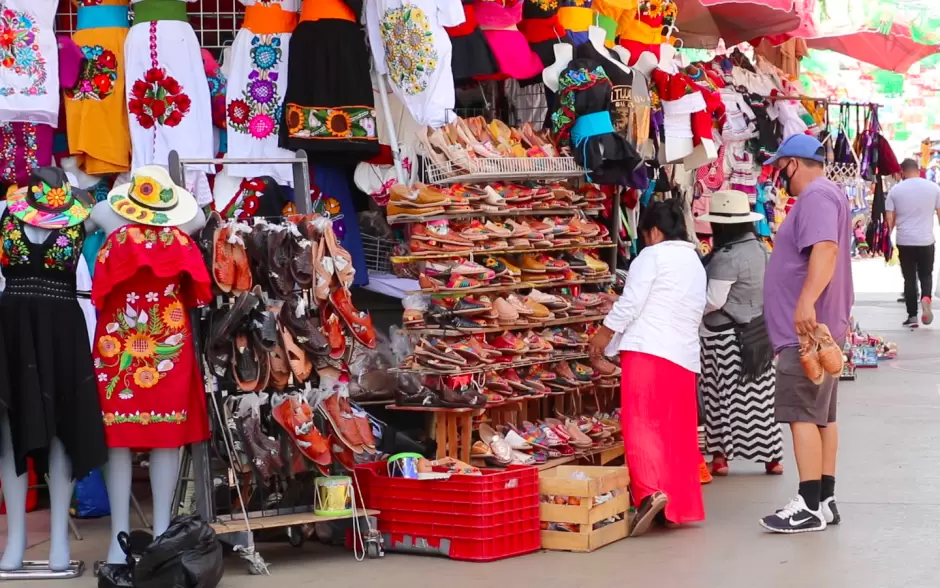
(508, 250)
(273, 345)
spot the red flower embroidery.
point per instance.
(158, 99)
(98, 75)
(238, 112)
(107, 60)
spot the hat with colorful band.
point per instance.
(49, 201)
(151, 198)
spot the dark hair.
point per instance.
(909, 165)
(722, 234)
(667, 216)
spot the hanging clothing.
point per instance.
(409, 44)
(257, 82)
(739, 414)
(328, 108)
(660, 434)
(29, 62)
(582, 120)
(542, 28)
(576, 17)
(167, 91)
(95, 107)
(149, 384)
(499, 19)
(472, 56)
(51, 391)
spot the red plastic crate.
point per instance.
(472, 518)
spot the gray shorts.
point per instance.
(799, 400)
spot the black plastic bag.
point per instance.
(187, 555)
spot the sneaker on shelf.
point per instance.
(926, 310)
(911, 322)
(830, 511)
(795, 517)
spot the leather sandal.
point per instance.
(333, 329)
(243, 279)
(323, 270)
(294, 415)
(830, 354)
(301, 265)
(342, 259)
(280, 367)
(359, 323)
(304, 329)
(206, 239)
(223, 264)
(279, 259)
(245, 364)
(300, 364)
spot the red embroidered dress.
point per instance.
(149, 383)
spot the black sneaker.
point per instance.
(794, 518)
(646, 513)
(830, 511)
(926, 310)
(911, 322)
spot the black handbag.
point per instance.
(757, 353)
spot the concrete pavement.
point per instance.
(888, 487)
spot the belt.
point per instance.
(39, 287)
(537, 30)
(327, 9)
(269, 20)
(587, 126)
(101, 17)
(156, 10)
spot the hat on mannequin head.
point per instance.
(49, 201)
(151, 198)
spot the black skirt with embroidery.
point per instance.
(329, 110)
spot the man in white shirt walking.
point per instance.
(911, 206)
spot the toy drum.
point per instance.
(404, 465)
(334, 496)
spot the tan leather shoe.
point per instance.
(530, 264)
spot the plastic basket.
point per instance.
(471, 518)
(378, 253)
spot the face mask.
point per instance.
(785, 179)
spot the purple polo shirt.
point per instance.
(821, 213)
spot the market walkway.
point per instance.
(888, 489)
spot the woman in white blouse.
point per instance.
(654, 326)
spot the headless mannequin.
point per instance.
(15, 487)
(164, 463)
(646, 63)
(597, 36)
(667, 58)
(564, 53)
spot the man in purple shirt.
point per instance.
(808, 282)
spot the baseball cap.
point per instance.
(801, 146)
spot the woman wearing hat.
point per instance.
(737, 379)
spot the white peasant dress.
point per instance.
(29, 62)
(164, 57)
(254, 99)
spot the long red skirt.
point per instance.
(660, 434)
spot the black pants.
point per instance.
(916, 264)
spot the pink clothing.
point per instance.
(498, 20)
(660, 436)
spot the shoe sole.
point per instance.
(642, 525)
(791, 532)
(927, 317)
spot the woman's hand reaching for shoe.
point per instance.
(600, 341)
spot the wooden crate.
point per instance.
(558, 482)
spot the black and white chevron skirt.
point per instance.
(739, 416)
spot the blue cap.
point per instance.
(801, 146)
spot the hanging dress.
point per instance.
(256, 86)
(150, 388)
(499, 19)
(410, 44)
(51, 389)
(95, 108)
(167, 92)
(472, 57)
(328, 106)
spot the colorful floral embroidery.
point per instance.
(158, 99)
(143, 341)
(570, 83)
(19, 51)
(246, 201)
(257, 112)
(15, 249)
(147, 236)
(353, 122)
(545, 5)
(143, 418)
(65, 250)
(651, 8)
(409, 48)
(98, 76)
(18, 150)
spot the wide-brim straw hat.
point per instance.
(151, 198)
(49, 201)
(729, 207)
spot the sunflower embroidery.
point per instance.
(140, 346)
(409, 48)
(108, 346)
(174, 315)
(146, 377)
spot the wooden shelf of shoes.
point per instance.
(477, 252)
(265, 336)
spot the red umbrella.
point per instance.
(896, 51)
(701, 23)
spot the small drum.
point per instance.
(334, 496)
(404, 465)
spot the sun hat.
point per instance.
(151, 198)
(48, 201)
(730, 207)
(801, 146)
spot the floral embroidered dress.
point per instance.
(409, 44)
(149, 385)
(167, 91)
(95, 107)
(51, 391)
(29, 62)
(256, 86)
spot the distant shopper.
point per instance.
(653, 326)
(737, 381)
(808, 283)
(911, 206)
